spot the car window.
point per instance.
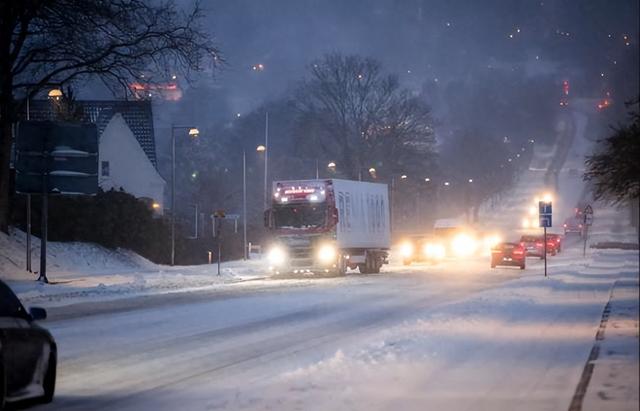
(9, 304)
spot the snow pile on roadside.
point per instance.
(63, 257)
(81, 272)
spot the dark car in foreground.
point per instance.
(28, 353)
(511, 254)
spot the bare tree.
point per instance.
(614, 170)
(49, 43)
(351, 111)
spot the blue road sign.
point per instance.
(544, 207)
(545, 220)
(545, 211)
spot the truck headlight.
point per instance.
(276, 256)
(327, 253)
(406, 249)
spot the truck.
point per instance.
(327, 226)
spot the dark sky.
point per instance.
(424, 41)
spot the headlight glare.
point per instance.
(276, 256)
(327, 253)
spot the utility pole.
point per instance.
(244, 203)
(266, 160)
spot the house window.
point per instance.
(105, 168)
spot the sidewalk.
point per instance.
(615, 379)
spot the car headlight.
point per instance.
(463, 245)
(327, 253)
(434, 251)
(277, 256)
(406, 249)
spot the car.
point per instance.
(421, 248)
(573, 225)
(511, 254)
(28, 352)
(556, 239)
(534, 245)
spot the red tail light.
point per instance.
(558, 240)
(518, 252)
(521, 244)
(538, 243)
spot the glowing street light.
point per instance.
(471, 180)
(55, 94)
(446, 183)
(404, 176)
(261, 149)
(194, 132)
(331, 165)
(427, 179)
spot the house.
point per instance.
(122, 163)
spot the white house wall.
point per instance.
(129, 167)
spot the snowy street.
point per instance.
(456, 337)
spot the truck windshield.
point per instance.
(299, 215)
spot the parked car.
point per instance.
(511, 254)
(28, 354)
(556, 239)
(573, 225)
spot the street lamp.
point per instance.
(193, 132)
(55, 94)
(261, 148)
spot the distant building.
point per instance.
(127, 149)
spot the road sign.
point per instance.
(544, 207)
(63, 156)
(588, 215)
(545, 220)
(545, 212)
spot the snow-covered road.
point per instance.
(148, 356)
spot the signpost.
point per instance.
(587, 220)
(545, 220)
(218, 216)
(55, 158)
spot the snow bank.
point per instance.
(81, 272)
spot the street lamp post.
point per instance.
(193, 132)
(266, 160)
(244, 203)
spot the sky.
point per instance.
(428, 43)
